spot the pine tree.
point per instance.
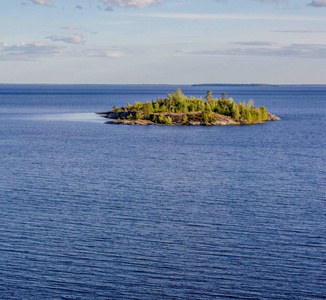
(209, 96)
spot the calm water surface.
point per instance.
(95, 211)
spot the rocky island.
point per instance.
(177, 109)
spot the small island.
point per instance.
(177, 109)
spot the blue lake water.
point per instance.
(96, 211)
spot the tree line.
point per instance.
(177, 102)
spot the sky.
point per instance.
(163, 41)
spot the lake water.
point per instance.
(96, 211)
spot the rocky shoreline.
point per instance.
(194, 119)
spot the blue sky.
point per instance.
(163, 41)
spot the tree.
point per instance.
(138, 116)
(209, 96)
(207, 107)
(178, 95)
(201, 106)
(156, 107)
(168, 120)
(163, 108)
(263, 115)
(161, 119)
(235, 112)
(130, 117)
(184, 119)
(250, 104)
(148, 109)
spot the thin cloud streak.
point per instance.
(243, 17)
(300, 31)
(37, 51)
(131, 3)
(316, 51)
(111, 53)
(70, 39)
(31, 51)
(254, 43)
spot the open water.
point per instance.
(95, 211)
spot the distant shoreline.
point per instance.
(168, 84)
(238, 84)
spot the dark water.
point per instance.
(94, 211)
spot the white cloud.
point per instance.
(70, 39)
(318, 3)
(114, 52)
(43, 2)
(132, 3)
(31, 51)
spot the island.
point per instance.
(178, 109)
(236, 84)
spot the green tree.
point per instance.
(163, 108)
(263, 115)
(201, 106)
(156, 107)
(235, 112)
(148, 109)
(161, 119)
(154, 118)
(138, 116)
(207, 107)
(250, 104)
(209, 96)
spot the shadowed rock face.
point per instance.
(194, 119)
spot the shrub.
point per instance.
(161, 119)
(130, 117)
(138, 116)
(168, 120)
